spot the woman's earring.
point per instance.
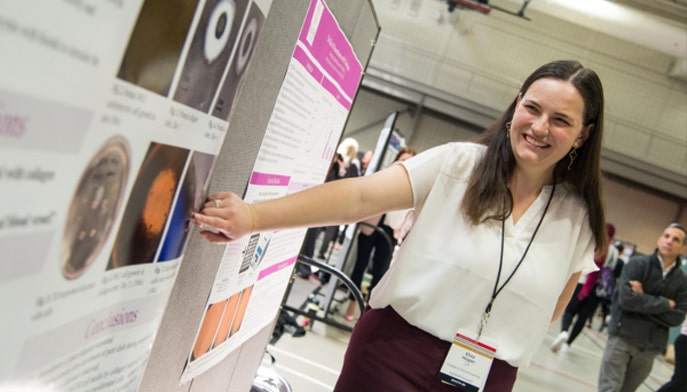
(508, 124)
(572, 155)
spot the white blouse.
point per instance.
(443, 275)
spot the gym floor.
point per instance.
(311, 363)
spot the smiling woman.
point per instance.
(547, 125)
(566, 99)
(491, 216)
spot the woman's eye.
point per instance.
(561, 121)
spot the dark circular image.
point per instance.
(218, 29)
(94, 206)
(148, 206)
(221, 26)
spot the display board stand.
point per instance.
(253, 109)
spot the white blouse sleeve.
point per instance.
(424, 168)
(584, 252)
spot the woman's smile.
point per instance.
(531, 140)
(547, 124)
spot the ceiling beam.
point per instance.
(620, 165)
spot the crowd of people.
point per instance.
(650, 298)
(377, 239)
(585, 299)
(646, 298)
(505, 227)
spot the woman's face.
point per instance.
(547, 123)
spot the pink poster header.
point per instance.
(277, 267)
(328, 45)
(267, 179)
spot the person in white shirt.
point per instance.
(371, 239)
(504, 227)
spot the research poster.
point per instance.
(309, 115)
(111, 115)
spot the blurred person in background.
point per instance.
(651, 297)
(372, 243)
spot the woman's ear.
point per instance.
(582, 137)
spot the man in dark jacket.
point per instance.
(650, 298)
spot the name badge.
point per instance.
(468, 362)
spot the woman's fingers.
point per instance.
(212, 220)
(220, 196)
(209, 228)
(215, 238)
(211, 203)
(219, 200)
(199, 219)
(224, 216)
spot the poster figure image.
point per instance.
(223, 329)
(94, 206)
(255, 251)
(232, 308)
(211, 47)
(241, 311)
(156, 43)
(149, 206)
(191, 197)
(221, 321)
(227, 320)
(208, 329)
(239, 63)
(260, 250)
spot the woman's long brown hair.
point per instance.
(488, 196)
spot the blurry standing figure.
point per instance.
(605, 299)
(365, 159)
(348, 167)
(504, 226)
(651, 297)
(584, 301)
(678, 383)
(372, 240)
(311, 235)
(348, 148)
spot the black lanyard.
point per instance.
(497, 290)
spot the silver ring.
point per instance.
(216, 201)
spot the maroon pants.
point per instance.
(387, 354)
